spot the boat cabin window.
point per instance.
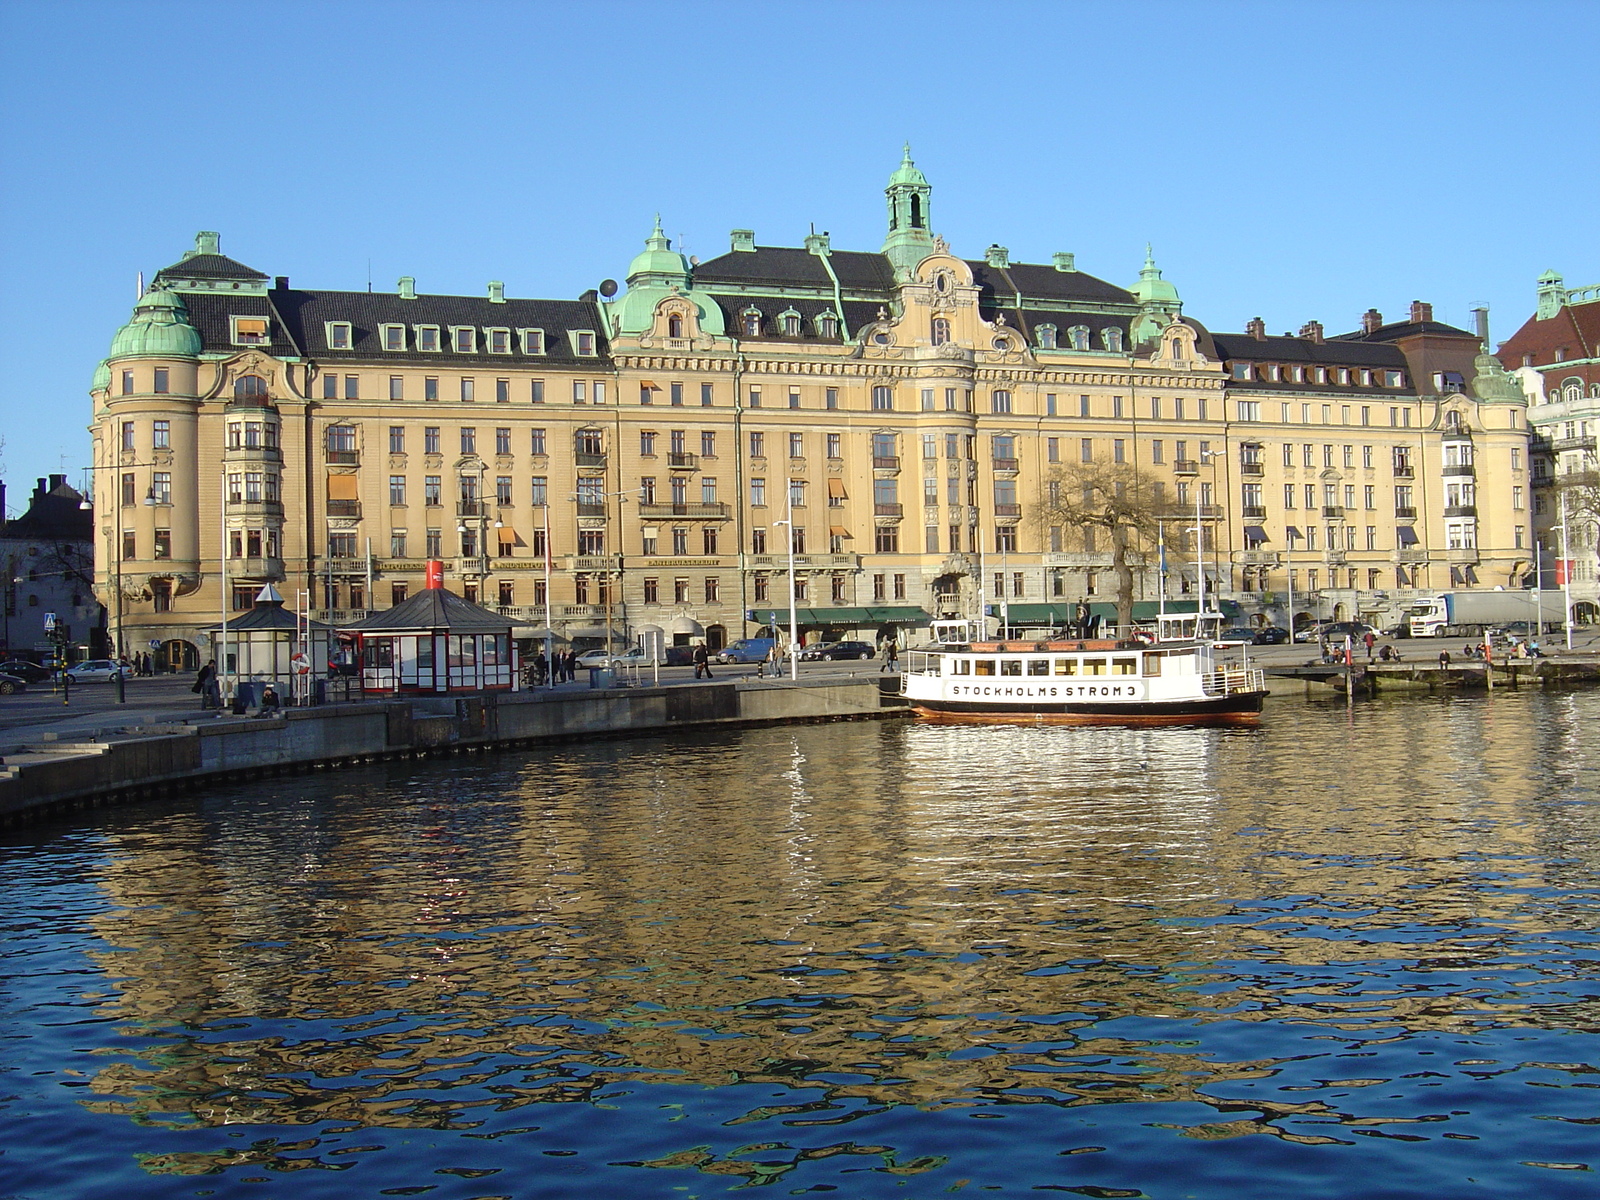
(983, 666)
(1066, 666)
(1094, 666)
(1124, 666)
(1152, 664)
(1011, 666)
(1038, 666)
(961, 666)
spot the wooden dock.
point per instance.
(1368, 679)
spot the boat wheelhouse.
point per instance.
(1142, 681)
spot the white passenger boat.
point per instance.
(1168, 677)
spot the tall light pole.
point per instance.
(788, 524)
(115, 551)
(1566, 573)
(1200, 546)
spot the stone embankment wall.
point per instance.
(52, 775)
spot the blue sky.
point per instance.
(1289, 160)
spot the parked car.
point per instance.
(96, 670)
(1354, 629)
(1270, 635)
(10, 683)
(746, 650)
(1308, 632)
(833, 651)
(1238, 633)
(25, 670)
(633, 656)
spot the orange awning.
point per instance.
(840, 531)
(836, 488)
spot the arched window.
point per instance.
(249, 387)
(752, 322)
(1111, 337)
(941, 330)
(675, 325)
(1079, 335)
(916, 212)
(1047, 337)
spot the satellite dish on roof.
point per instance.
(608, 288)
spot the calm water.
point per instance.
(1350, 954)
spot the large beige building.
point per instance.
(633, 459)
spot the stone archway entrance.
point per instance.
(177, 655)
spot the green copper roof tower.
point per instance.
(1158, 301)
(909, 241)
(656, 272)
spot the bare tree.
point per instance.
(1116, 499)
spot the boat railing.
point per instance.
(1231, 680)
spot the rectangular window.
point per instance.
(502, 489)
(539, 493)
(397, 543)
(397, 387)
(432, 491)
(163, 548)
(469, 389)
(1000, 402)
(1086, 450)
(502, 391)
(1157, 451)
(330, 387)
(758, 444)
(886, 539)
(397, 489)
(927, 399)
(797, 492)
(1052, 449)
(755, 397)
(536, 391)
(758, 492)
(830, 398)
(161, 384)
(161, 435)
(708, 443)
(1118, 450)
(1177, 408)
(430, 387)
(882, 399)
(797, 445)
(706, 395)
(1288, 495)
(161, 484)
(127, 383)
(580, 392)
(338, 335)
(794, 397)
(1249, 410)
(352, 387)
(1116, 406)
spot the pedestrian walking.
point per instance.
(702, 660)
(1371, 640)
(205, 682)
(891, 659)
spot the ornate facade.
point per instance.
(901, 411)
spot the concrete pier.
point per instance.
(50, 773)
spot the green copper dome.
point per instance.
(908, 172)
(160, 327)
(657, 262)
(1151, 288)
(102, 377)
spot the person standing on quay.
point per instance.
(205, 682)
(1371, 640)
(891, 659)
(702, 660)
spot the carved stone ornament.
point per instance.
(940, 246)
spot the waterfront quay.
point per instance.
(161, 741)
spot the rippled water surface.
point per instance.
(1349, 954)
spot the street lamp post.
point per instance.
(115, 551)
(1200, 548)
(788, 524)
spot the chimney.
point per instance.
(497, 292)
(57, 481)
(1482, 315)
(1312, 330)
(1064, 261)
(743, 241)
(280, 283)
(997, 255)
(1256, 328)
(1421, 311)
(208, 241)
(408, 287)
(38, 489)
(818, 244)
(1371, 321)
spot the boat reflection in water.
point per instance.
(1324, 957)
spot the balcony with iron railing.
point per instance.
(1185, 466)
(888, 510)
(680, 461)
(238, 506)
(1405, 512)
(1586, 444)
(348, 458)
(343, 508)
(1458, 469)
(1460, 510)
(470, 508)
(885, 462)
(1332, 512)
(1001, 465)
(589, 508)
(706, 512)
(586, 459)
(1008, 510)
(256, 567)
(1413, 554)
(1252, 468)
(1404, 471)
(1253, 512)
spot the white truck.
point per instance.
(1468, 614)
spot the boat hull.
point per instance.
(1239, 708)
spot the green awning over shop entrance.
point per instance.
(845, 618)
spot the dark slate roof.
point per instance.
(788, 266)
(207, 266)
(434, 608)
(1401, 329)
(809, 307)
(1038, 282)
(270, 615)
(209, 312)
(52, 516)
(305, 316)
(1303, 350)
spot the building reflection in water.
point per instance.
(900, 914)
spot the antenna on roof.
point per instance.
(369, 275)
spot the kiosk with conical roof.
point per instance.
(435, 642)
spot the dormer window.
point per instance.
(752, 322)
(583, 344)
(675, 325)
(533, 341)
(1242, 371)
(394, 337)
(1344, 374)
(1366, 378)
(428, 338)
(1111, 337)
(827, 325)
(1322, 374)
(250, 331)
(790, 322)
(1079, 336)
(464, 339)
(1047, 337)
(338, 335)
(499, 341)
(249, 387)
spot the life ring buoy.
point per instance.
(301, 664)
